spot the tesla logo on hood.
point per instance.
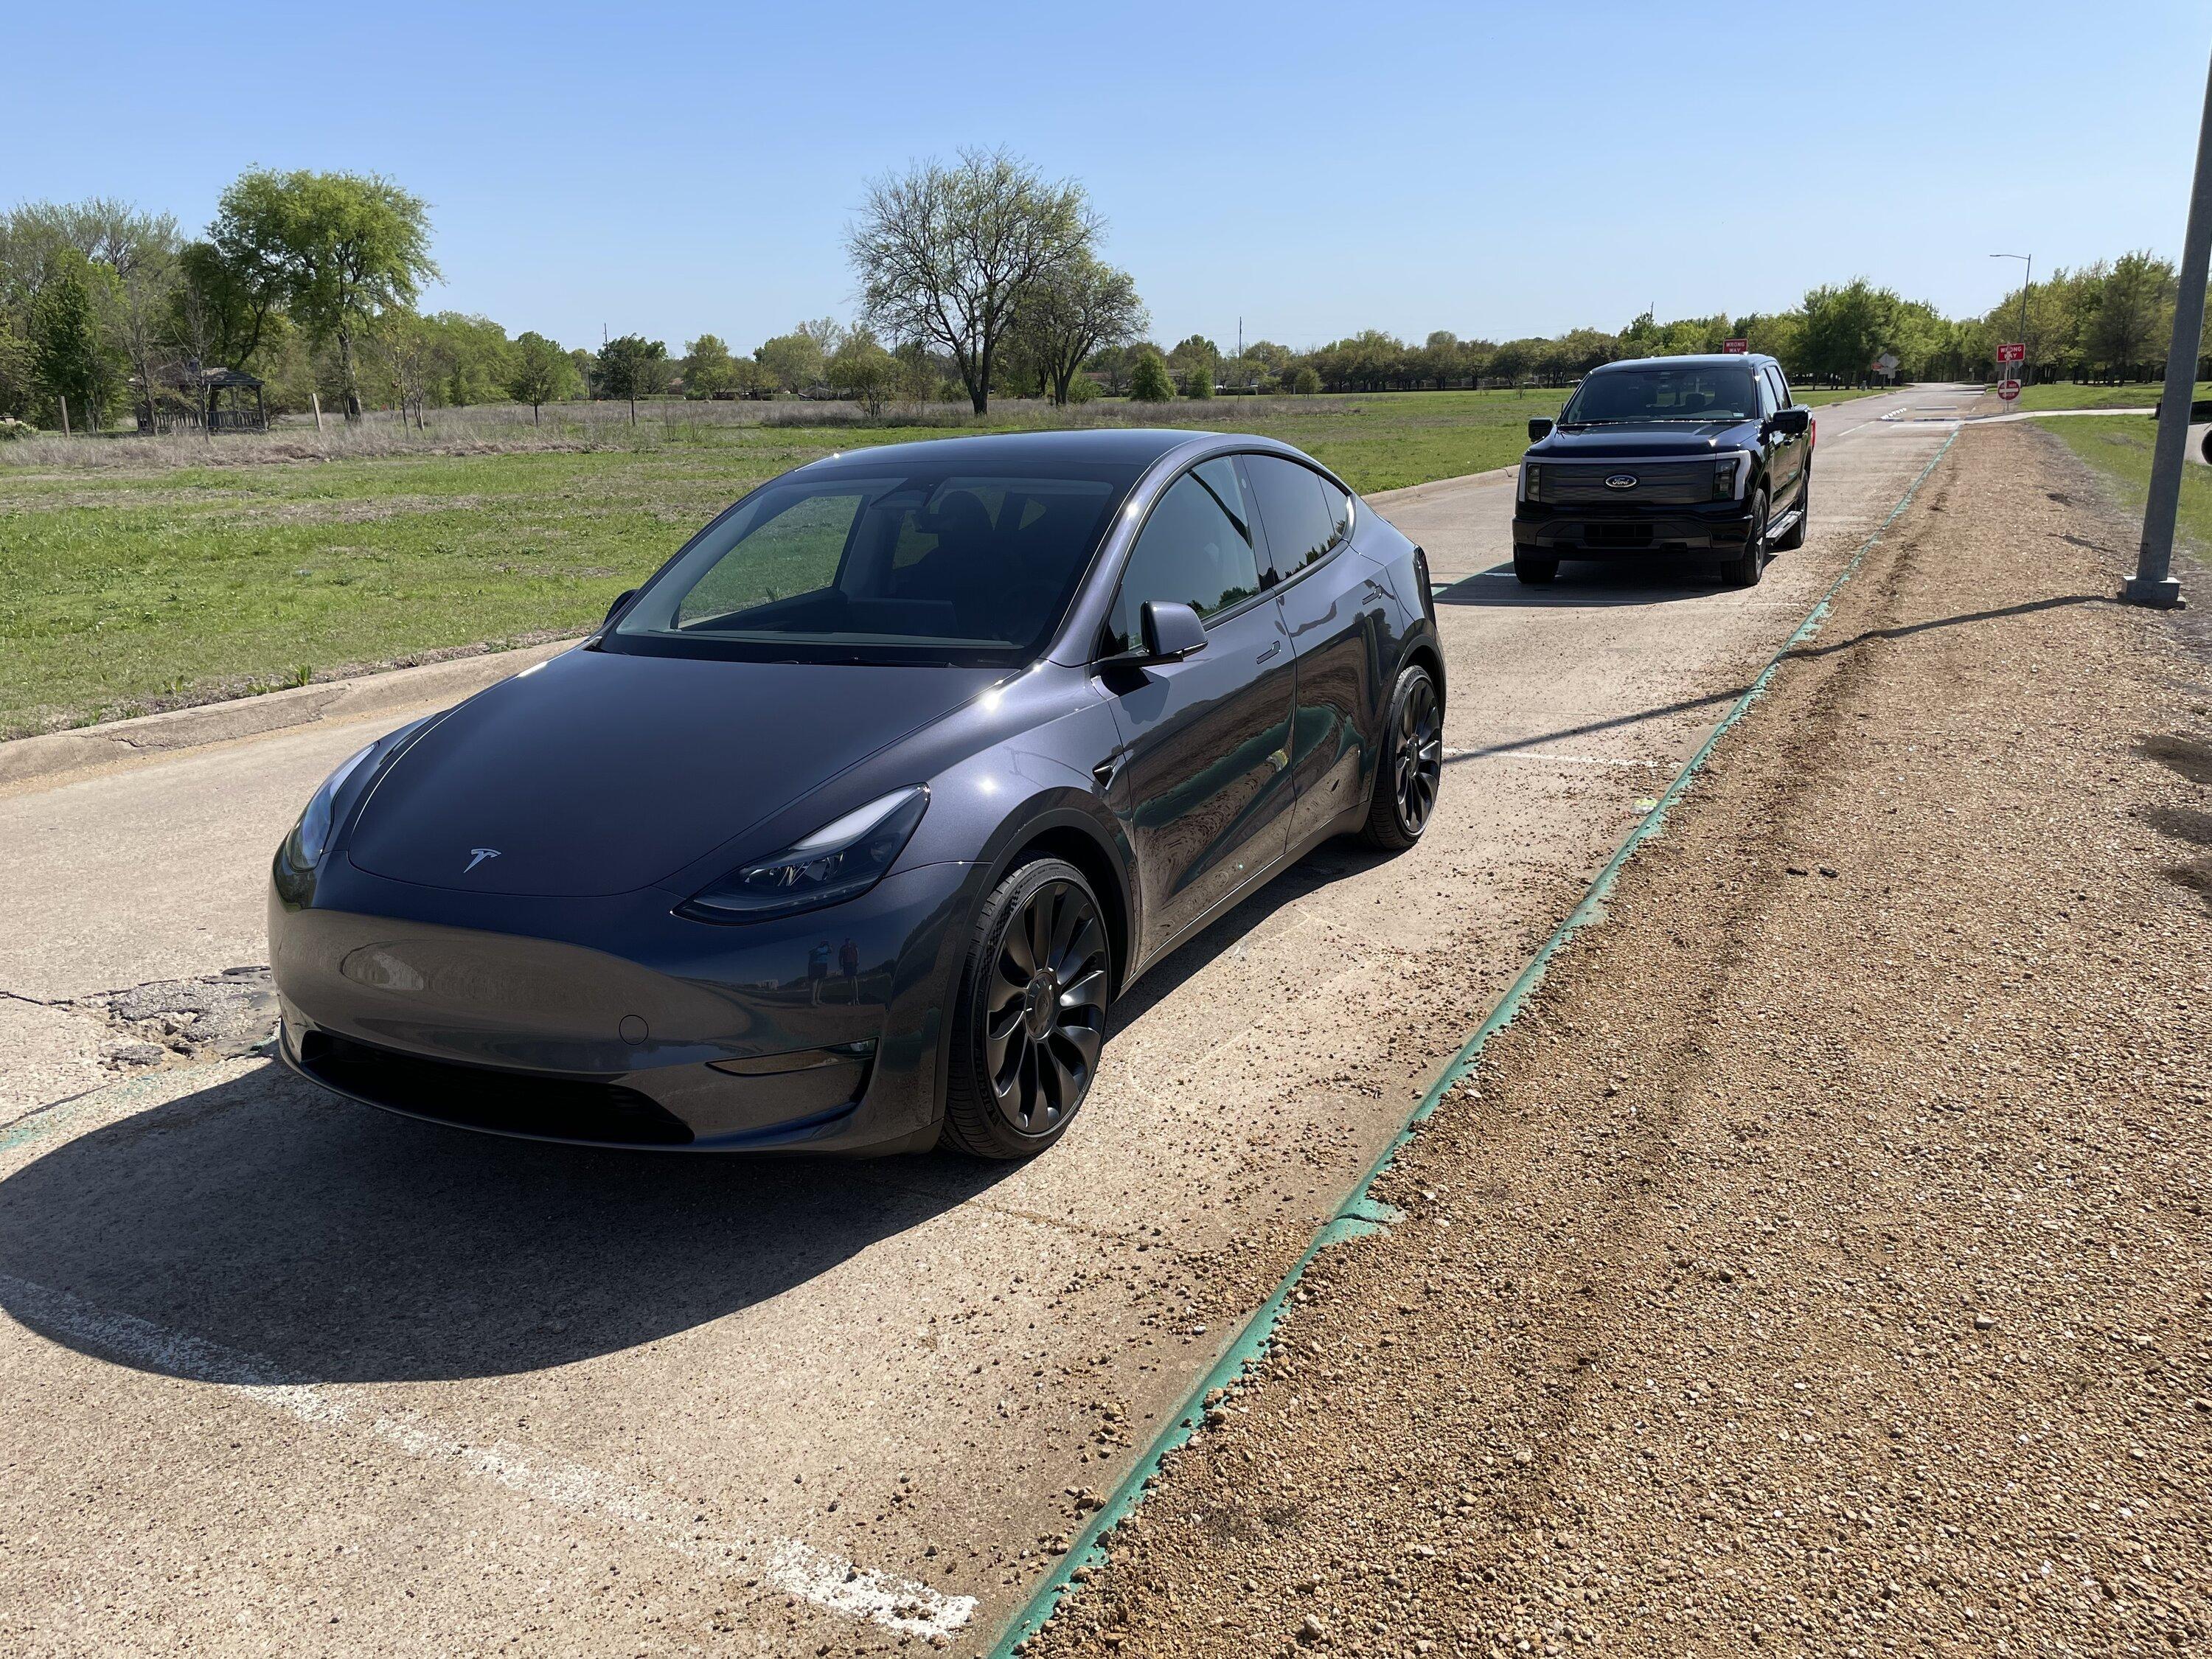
(1621, 481)
(478, 855)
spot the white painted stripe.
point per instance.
(788, 1564)
(1543, 755)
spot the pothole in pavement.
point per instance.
(167, 1022)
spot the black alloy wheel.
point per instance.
(1031, 1016)
(1407, 782)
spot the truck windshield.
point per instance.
(1707, 393)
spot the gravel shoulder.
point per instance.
(1818, 1264)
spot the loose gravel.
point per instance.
(1820, 1264)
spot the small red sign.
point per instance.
(2008, 390)
(1736, 346)
(2012, 351)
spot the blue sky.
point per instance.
(1497, 170)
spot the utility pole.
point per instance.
(2153, 583)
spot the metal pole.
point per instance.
(2153, 583)
(2026, 282)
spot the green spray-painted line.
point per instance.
(1362, 1214)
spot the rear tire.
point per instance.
(1029, 1019)
(1410, 774)
(1796, 539)
(1535, 569)
(1746, 568)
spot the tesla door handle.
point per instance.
(1269, 652)
(1103, 774)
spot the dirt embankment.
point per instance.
(1821, 1264)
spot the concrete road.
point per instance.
(290, 1375)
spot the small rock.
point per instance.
(1984, 1322)
(1312, 1629)
(137, 1054)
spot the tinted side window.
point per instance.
(1766, 404)
(1781, 388)
(1301, 524)
(1195, 550)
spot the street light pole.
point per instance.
(2153, 583)
(2026, 283)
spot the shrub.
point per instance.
(1082, 389)
(1199, 381)
(11, 429)
(1149, 382)
(1305, 383)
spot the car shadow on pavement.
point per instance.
(1656, 582)
(289, 1234)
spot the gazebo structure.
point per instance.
(213, 397)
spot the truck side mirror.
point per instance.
(1538, 429)
(1792, 421)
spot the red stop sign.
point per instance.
(2008, 390)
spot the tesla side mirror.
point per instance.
(1791, 422)
(1538, 429)
(1172, 632)
(616, 609)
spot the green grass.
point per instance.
(2119, 448)
(1814, 399)
(125, 593)
(2066, 394)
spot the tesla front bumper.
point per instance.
(614, 1022)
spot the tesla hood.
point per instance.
(600, 773)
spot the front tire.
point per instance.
(1029, 1018)
(1745, 569)
(1412, 767)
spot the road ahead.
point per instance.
(288, 1374)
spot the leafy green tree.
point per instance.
(345, 247)
(793, 360)
(1198, 380)
(2134, 315)
(863, 370)
(632, 367)
(708, 368)
(1149, 380)
(1846, 328)
(947, 254)
(70, 356)
(1303, 381)
(539, 373)
(223, 312)
(477, 358)
(1070, 312)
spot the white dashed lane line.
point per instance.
(788, 1564)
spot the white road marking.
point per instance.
(788, 1564)
(1543, 755)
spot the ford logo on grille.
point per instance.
(1621, 481)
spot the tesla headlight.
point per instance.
(311, 836)
(841, 859)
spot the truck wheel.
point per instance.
(1745, 569)
(1535, 568)
(1796, 540)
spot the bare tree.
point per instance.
(947, 253)
(1068, 313)
(413, 357)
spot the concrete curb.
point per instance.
(1387, 498)
(90, 746)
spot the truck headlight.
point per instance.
(1724, 471)
(1532, 479)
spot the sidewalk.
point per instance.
(1818, 1264)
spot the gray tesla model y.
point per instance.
(845, 831)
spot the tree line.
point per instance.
(976, 278)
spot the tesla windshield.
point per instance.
(1717, 392)
(896, 566)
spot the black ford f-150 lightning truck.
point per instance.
(1706, 455)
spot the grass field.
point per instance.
(2119, 448)
(125, 589)
(2066, 394)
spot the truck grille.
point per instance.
(1668, 484)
